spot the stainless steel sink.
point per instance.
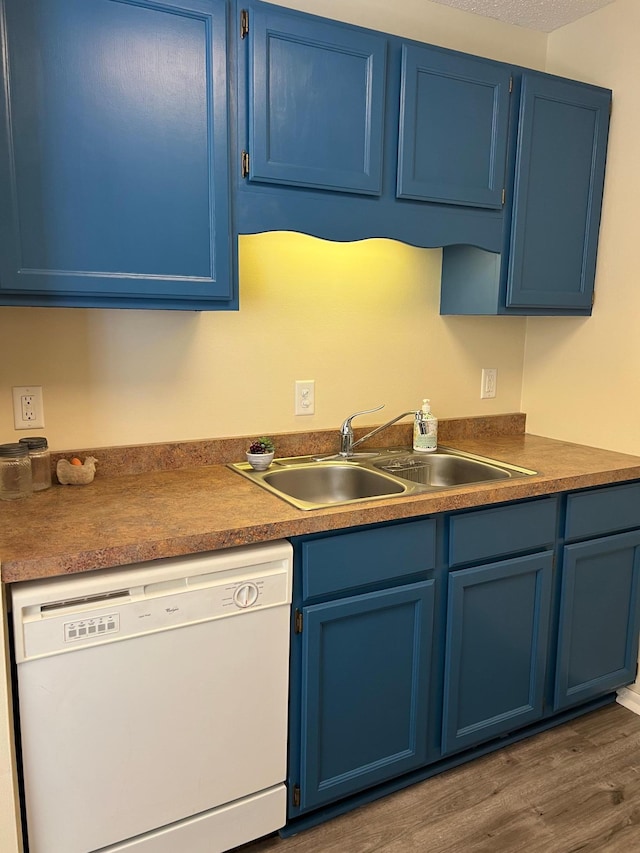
(310, 482)
(444, 469)
(331, 483)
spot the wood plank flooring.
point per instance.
(574, 788)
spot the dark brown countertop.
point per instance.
(132, 517)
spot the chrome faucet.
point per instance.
(347, 443)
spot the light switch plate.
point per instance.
(305, 397)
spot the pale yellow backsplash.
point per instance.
(360, 318)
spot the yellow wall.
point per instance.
(360, 319)
(582, 377)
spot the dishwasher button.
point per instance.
(246, 595)
(90, 629)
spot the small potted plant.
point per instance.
(260, 453)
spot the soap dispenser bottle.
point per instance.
(425, 429)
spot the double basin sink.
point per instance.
(313, 482)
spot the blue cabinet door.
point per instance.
(559, 178)
(365, 686)
(316, 102)
(598, 628)
(454, 116)
(114, 180)
(552, 214)
(496, 649)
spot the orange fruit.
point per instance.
(76, 461)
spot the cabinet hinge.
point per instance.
(244, 164)
(504, 195)
(297, 622)
(510, 84)
(244, 23)
(296, 796)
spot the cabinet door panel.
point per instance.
(453, 128)
(113, 164)
(598, 634)
(366, 670)
(562, 142)
(316, 103)
(496, 648)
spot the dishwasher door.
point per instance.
(154, 698)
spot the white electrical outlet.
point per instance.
(28, 411)
(305, 396)
(489, 382)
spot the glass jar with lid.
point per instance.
(15, 472)
(40, 461)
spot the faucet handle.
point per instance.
(346, 428)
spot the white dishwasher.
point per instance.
(153, 703)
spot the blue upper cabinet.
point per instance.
(319, 107)
(454, 120)
(132, 154)
(554, 198)
(316, 103)
(114, 180)
(562, 145)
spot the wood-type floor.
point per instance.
(574, 788)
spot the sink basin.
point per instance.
(329, 483)
(444, 469)
(309, 482)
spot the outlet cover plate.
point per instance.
(489, 382)
(28, 411)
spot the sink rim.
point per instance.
(403, 487)
(371, 463)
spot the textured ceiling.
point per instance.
(543, 15)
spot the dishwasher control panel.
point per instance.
(97, 626)
(153, 601)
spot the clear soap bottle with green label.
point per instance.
(425, 429)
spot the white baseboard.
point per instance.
(630, 699)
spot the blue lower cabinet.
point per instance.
(598, 627)
(366, 663)
(395, 677)
(496, 649)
